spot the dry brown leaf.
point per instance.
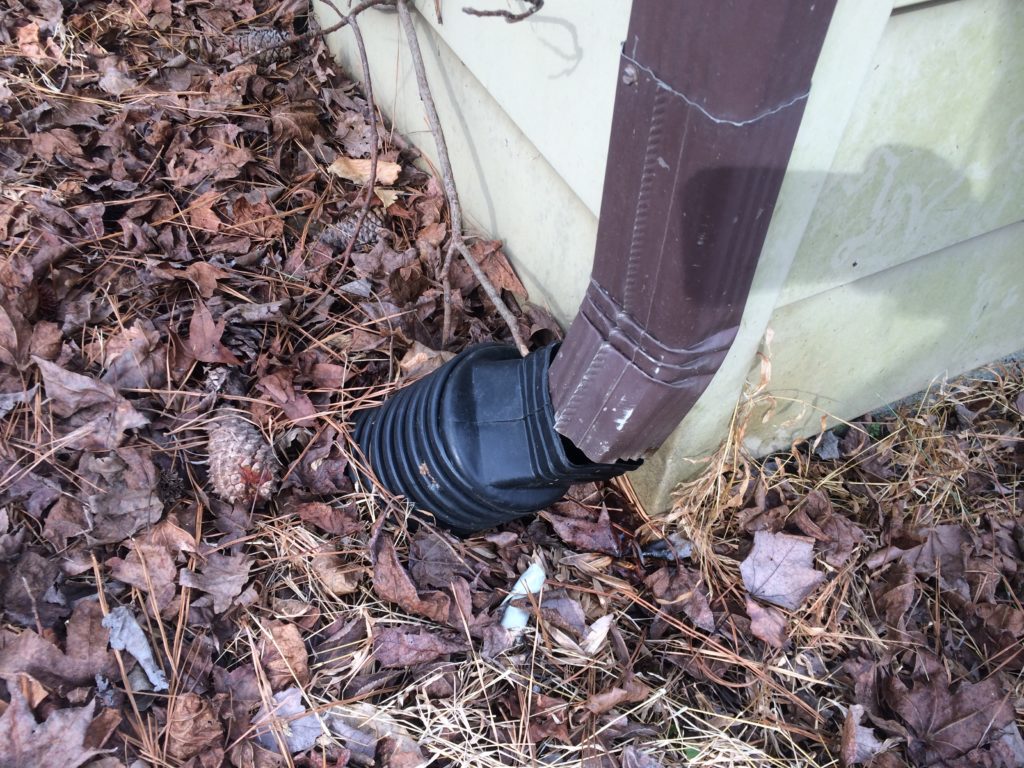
(25, 590)
(437, 560)
(57, 741)
(407, 646)
(223, 577)
(337, 576)
(858, 744)
(127, 500)
(339, 521)
(358, 170)
(204, 338)
(149, 568)
(96, 416)
(284, 655)
(587, 535)
(387, 196)
(419, 360)
(296, 121)
(681, 591)
(767, 624)
(780, 570)
(259, 220)
(201, 214)
(192, 726)
(947, 720)
(392, 583)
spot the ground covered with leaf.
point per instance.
(195, 298)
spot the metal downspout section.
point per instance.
(710, 97)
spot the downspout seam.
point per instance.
(714, 118)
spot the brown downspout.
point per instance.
(710, 97)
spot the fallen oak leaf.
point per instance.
(69, 392)
(680, 590)
(779, 569)
(343, 521)
(127, 500)
(587, 534)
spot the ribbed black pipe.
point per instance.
(474, 444)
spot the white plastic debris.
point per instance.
(530, 583)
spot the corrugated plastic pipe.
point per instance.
(708, 104)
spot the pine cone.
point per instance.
(338, 233)
(260, 41)
(243, 467)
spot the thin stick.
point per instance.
(446, 285)
(448, 177)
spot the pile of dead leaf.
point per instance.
(175, 221)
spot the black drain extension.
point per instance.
(474, 442)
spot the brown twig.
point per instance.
(316, 31)
(448, 179)
(446, 286)
(367, 196)
(508, 16)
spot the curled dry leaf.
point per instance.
(391, 582)
(192, 726)
(949, 720)
(204, 338)
(127, 635)
(363, 726)
(25, 591)
(86, 653)
(680, 591)
(779, 569)
(335, 575)
(127, 499)
(284, 656)
(859, 744)
(95, 416)
(585, 529)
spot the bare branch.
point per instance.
(508, 16)
(448, 178)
